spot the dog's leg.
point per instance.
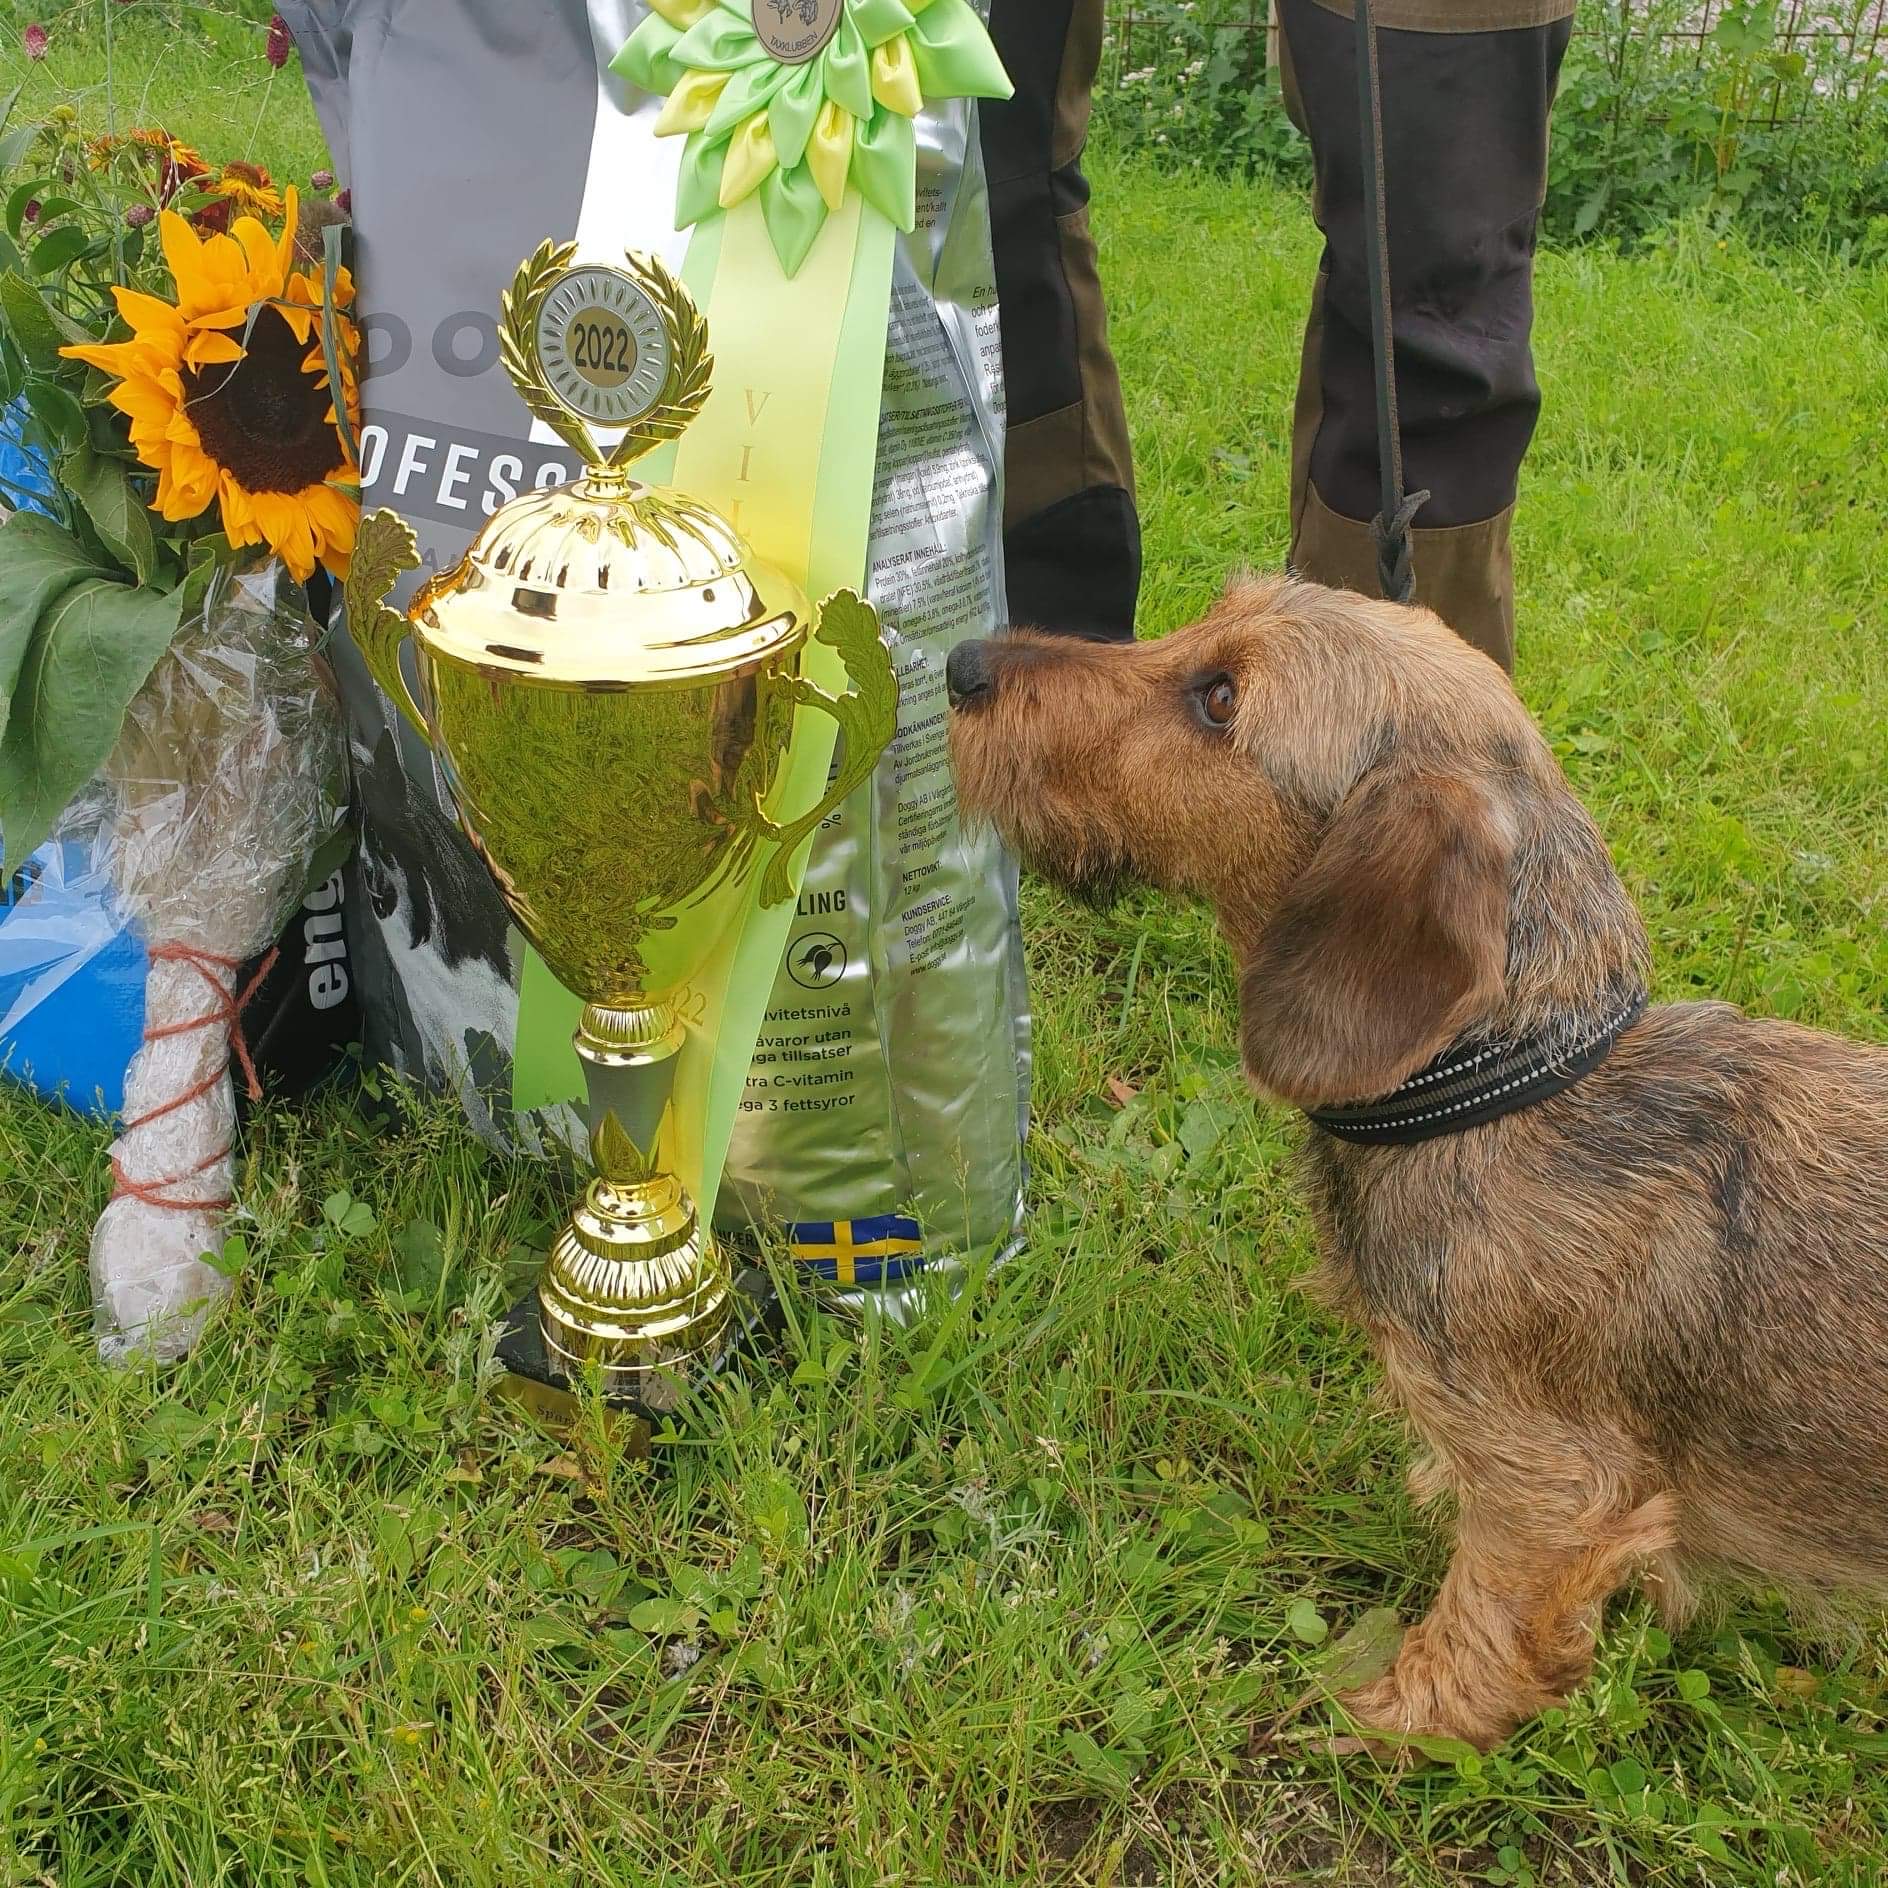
(1512, 1630)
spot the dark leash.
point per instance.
(1396, 562)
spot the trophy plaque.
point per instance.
(612, 684)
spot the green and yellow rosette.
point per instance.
(799, 173)
(835, 114)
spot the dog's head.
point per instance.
(1358, 793)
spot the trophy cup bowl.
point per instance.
(610, 682)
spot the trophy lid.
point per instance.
(608, 583)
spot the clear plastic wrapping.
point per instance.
(226, 784)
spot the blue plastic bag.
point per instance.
(71, 981)
(25, 477)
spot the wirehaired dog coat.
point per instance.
(1640, 1321)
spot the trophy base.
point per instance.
(535, 1381)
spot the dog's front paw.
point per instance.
(1416, 1708)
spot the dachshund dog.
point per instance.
(1625, 1267)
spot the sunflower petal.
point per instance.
(283, 520)
(182, 249)
(207, 347)
(258, 248)
(114, 357)
(147, 314)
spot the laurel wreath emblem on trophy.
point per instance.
(684, 389)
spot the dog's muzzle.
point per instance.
(968, 674)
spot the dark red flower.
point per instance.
(345, 203)
(213, 215)
(31, 213)
(280, 43)
(321, 180)
(139, 214)
(34, 40)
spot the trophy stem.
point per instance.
(634, 1281)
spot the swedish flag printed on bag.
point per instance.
(876, 1251)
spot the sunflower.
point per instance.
(229, 396)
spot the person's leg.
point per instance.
(1465, 116)
(1072, 537)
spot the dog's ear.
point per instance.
(1387, 945)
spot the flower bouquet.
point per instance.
(177, 344)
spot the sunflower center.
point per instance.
(262, 417)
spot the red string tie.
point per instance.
(226, 1014)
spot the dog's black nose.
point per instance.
(967, 673)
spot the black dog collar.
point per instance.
(1463, 1089)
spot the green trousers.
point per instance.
(1467, 88)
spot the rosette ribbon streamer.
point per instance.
(799, 173)
(800, 134)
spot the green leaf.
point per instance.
(331, 239)
(777, 1509)
(419, 1256)
(664, 1619)
(38, 563)
(88, 655)
(58, 411)
(169, 1429)
(233, 1260)
(1449, 1750)
(16, 143)
(1628, 1775)
(63, 247)
(548, 1632)
(1364, 1653)
(1106, 1768)
(38, 329)
(103, 487)
(743, 1578)
(1694, 1686)
(19, 197)
(1305, 1622)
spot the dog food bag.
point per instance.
(882, 1123)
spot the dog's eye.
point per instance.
(1218, 700)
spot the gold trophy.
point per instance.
(610, 680)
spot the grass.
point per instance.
(995, 1600)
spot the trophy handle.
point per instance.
(867, 714)
(385, 549)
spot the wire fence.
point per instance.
(1807, 53)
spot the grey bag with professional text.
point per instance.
(883, 1121)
